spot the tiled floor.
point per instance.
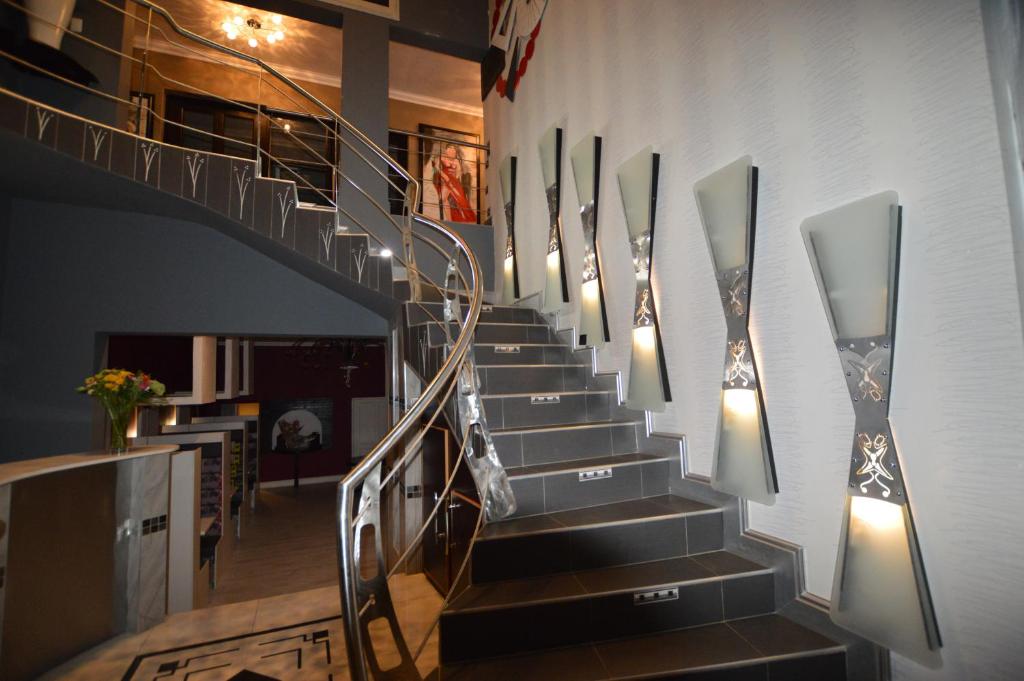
(271, 636)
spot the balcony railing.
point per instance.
(371, 193)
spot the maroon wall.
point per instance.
(281, 373)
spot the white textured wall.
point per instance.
(834, 100)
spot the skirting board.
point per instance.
(302, 481)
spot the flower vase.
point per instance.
(119, 419)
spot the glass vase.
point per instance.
(119, 419)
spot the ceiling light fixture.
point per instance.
(252, 29)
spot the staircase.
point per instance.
(602, 573)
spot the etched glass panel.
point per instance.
(724, 210)
(584, 168)
(853, 250)
(741, 465)
(635, 179)
(876, 592)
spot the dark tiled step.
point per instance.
(490, 354)
(419, 313)
(548, 408)
(585, 482)
(564, 442)
(508, 617)
(497, 332)
(769, 647)
(622, 533)
(541, 378)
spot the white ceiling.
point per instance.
(313, 51)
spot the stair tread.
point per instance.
(583, 464)
(565, 426)
(605, 514)
(584, 391)
(559, 365)
(756, 640)
(602, 581)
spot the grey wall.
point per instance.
(72, 274)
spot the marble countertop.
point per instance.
(19, 470)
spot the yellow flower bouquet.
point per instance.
(120, 392)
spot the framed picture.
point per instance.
(296, 426)
(143, 101)
(451, 174)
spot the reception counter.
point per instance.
(83, 553)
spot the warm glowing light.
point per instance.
(133, 425)
(279, 35)
(252, 42)
(739, 401)
(509, 263)
(591, 291)
(644, 338)
(287, 127)
(227, 27)
(553, 262)
(386, 253)
(271, 38)
(275, 19)
(881, 515)
(232, 35)
(237, 20)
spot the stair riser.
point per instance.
(595, 547)
(504, 631)
(564, 491)
(513, 333)
(523, 412)
(505, 315)
(539, 379)
(570, 444)
(524, 354)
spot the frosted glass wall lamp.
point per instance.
(743, 463)
(556, 286)
(586, 169)
(648, 375)
(880, 590)
(510, 274)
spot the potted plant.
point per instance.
(120, 392)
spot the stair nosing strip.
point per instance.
(497, 396)
(608, 523)
(614, 592)
(527, 366)
(735, 664)
(566, 426)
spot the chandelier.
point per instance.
(252, 30)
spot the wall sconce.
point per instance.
(556, 286)
(648, 375)
(743, 463)
(586, 170)
(880, 590)
(510, 274)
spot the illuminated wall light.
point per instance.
(585, 158)
(510, 280)
(880, 590)
(743, 464)
(386, 253)
(648, 374)
(556, 288)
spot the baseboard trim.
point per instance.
(271, 484)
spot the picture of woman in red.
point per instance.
(448, 178)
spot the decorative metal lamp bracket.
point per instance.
(874, 466)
